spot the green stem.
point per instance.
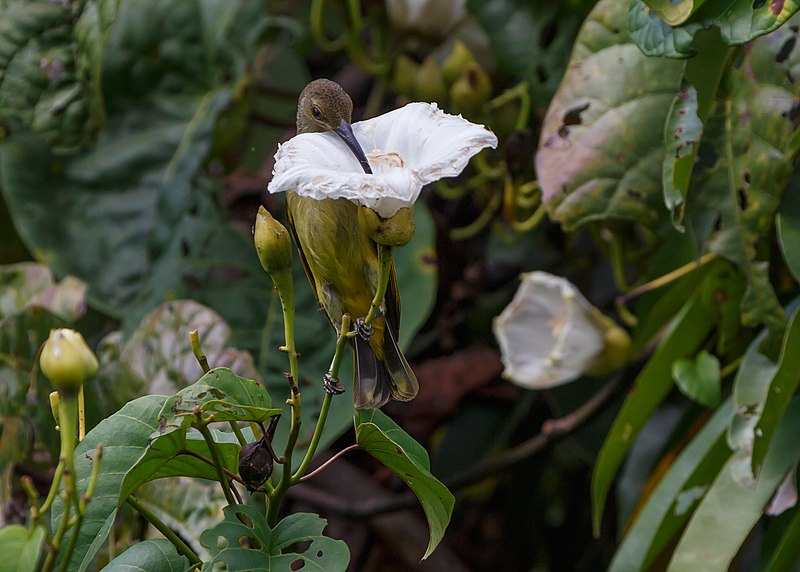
(81, 415)
(486, 216)
(218, 464)
(194, 341)
(317, 29)
(326, 402)
(286, 293)
(51, 496)
(68, 421)
(168, 533)
(238, 432)
(384, 270)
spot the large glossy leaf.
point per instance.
(601, 149)
(45, 85)
(682, 133)
(672, 502)
(149, 556)
(135, 217)
(255, 547)
(683, 338)
(734, 503)
(21, 547)
(386, 441)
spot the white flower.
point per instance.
(550, 334)
(429, 18)
(407, 148)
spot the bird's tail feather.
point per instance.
(377, 381)
(404, 383)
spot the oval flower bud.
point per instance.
(429, 82)
(396, 230)
(472, 90)
(273, 244)
(550, 335)
(456, 62)
(66, 359)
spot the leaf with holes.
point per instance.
(255, 547)
(386, 441)
(220, 395)
(601, 148)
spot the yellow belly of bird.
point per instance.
(342, 259)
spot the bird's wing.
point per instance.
(299, 246)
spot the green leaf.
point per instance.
(601, 148)
(134, 215)
(750, 390)
(781, 388)
(683, 338)
(671, 503)
(125, 436)
(20, 547)
(738, 21)
(734, 503)
(699, 378)
(255, 547)
(682, 132)
(529, 40)
(220, 395)
(149, 556)
(672, 12)
(386, 441)
(788, 226)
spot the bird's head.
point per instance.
(325, 106)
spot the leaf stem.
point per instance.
(194, 340)
(324, 465)
(168, 533)
(218, 464)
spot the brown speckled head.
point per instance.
(322, 106)
(325, 106)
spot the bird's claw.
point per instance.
(364, 329)
(332, 384)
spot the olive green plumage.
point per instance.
(341, 261)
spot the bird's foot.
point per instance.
(364, 329)
(332, 384)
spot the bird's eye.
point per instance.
(315, 111)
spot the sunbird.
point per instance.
(341, 262)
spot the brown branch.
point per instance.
(552, 431)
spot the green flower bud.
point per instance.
(428, 83)
(617, 350)
(472, 90)
(273, 244)
(405, 70)
(67, 360)
(396, 230)
(456, 62)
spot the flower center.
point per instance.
(383, 162)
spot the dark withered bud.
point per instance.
(255, 464)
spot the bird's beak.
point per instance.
(346, 133)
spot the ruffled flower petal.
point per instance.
(406, 148)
